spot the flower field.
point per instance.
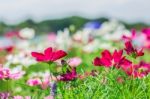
(98, 61)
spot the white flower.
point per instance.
(27, 33)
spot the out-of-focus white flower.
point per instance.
(63, 39)
(116, 35)
(20, 58)
(95, 45)
(27, 33)
(91, 47)
(83, 36)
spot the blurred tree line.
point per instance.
(59, 24)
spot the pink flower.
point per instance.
(74, 62)
(21, 97)
(49, 97)
(132, 51)
(45, 84)
(4, 73)
(146, 31)
(17, 97)
(34, 82)
(17, 75)
(4, 95)
(108, 60)
(52, 36)
(49, 55)
(131, 37)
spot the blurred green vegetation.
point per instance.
(60, 24)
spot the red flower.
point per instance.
(138, 71)
(49, 55)
(12, 34)
(109, 60)
(132, 51)
(8, 49)
(70, 75)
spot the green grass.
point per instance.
(102, 86)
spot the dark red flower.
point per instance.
(49, 55)
(70, 75)
(116, 59)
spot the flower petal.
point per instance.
(38, 56)
(58, 54)
(48, 53)
(97, 62)
(106, 54)
(117, 55)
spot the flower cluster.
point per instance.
(118, 60)
(6, 74)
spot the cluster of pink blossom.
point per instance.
(6, 74)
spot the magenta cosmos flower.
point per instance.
(132, 51)
(49, 55)
(116, 59)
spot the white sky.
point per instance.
(14, 11)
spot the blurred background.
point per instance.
(52, 15)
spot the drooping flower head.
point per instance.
(133, 51)
(49, 55)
